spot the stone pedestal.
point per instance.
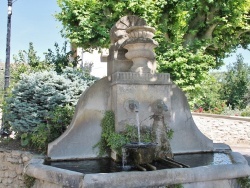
(145, 89)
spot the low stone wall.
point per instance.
(12, 164)
(224, 129)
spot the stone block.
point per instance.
(6, 174)
(5, 181)
(12, 167)
(16, 154)
(25, 158)
(3, 167)
(2, 174)
(12, 174)
(10, 180)
(2, 157)
(19, 169)
(13, 160)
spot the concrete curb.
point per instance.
(222, 116)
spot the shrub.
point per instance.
(57, 123)
(231, 112)
(38, 94)
(112, 140)
(61, 58)
(246, 112)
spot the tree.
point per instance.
(27, 62)
(30, 57)
(61, 58)
(208, 95)
(194, 36)
(234, 87)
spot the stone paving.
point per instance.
(234, 132)
(229, 131)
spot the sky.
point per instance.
(33, 21)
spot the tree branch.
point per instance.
(167, 37)
(242, 32)
(208, 33)
(193, 26)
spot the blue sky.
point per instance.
(33, 21)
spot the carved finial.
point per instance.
(140, 46)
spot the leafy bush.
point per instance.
(246, 112)
(57, 123)
(38, 94)
(244, 182)
(111, 140)
(231, 112)
(61, 58)
(27, 62)
(188, 67)
(207, 96)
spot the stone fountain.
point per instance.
(135, 93)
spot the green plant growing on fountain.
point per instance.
(111, 140)
(170, 133)
(175, 186)
(244, 182)
(29, 181)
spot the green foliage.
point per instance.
(246, 112)
(108, 127)
(193, 36)
(27, 62)
(234, 86)
(188, 68)
(87, 22)
(29, 181)
(170, 134)
(175, 186)
(207, 96)
(244, 182)
(38, 94)
(57, 122)
(29, 57)
(25, 139)
(231, 112)
(111, 140)
(61, 58)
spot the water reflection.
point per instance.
(203, 159)
(107, 165)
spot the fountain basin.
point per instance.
(224, 175)
(107, 165)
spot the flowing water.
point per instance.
(124, 158)
(138, 127)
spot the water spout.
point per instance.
(133, 105)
